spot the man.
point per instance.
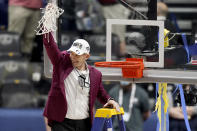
(135, 103)
(162, 13)
(176, 115)
(23, 16)
(75, 87)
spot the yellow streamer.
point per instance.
(162, 92)
(166, 39)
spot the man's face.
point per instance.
(125, 85)
(78, 60)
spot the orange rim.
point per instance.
(131, 68)
(129, 64)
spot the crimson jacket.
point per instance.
(56, 106)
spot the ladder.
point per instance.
(103, 119)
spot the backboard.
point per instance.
(142, 24)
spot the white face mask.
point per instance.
(124, 83)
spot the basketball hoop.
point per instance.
(131, 68)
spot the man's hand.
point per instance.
(190, 111)
(112, 104)
(176, 112)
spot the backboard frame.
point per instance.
(160, 24)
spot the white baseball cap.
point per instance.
(80, 47)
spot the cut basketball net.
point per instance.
(48, 21)
(131, 68)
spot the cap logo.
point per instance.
(88, 49)
(78, 45)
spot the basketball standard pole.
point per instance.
(48, 67)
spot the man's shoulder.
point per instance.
(142, 92)
(94, 70)
(139, 88)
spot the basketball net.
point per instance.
(48, 21)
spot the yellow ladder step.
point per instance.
(108, 112)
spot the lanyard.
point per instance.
(82, 79)
(131, 101)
